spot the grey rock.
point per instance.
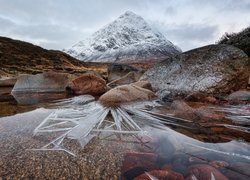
(117, 71)
(240, 96)
(210, 69)
(164, 95)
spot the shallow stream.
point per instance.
(77, 138)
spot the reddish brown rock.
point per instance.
(207, 115)
(200, 97)
(181, 106)
(161, 175)
(136, 163)
(125, 94)
(87, 84)
(204, 172)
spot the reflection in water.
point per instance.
(142, 138)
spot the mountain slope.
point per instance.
(129, 38)
(19, 56)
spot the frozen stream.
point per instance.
(78, 138)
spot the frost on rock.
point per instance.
(89, 120)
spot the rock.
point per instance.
(238, 170)
(218, 164)
(200, 97)
(241, 167)
(6, 85)
(5, 94)
(117, 71)
(30, 89)
(239, 96)
(207, 115)
(9, 82)
(87, 84)
(125, 94)
(136, 163)
(165, 95)
(143, 84)
(180, 105)
(160, 174)
(147, 144)
(204, 172)
(45, 82)
(210, 69)
(131, 77)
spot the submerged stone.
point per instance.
(136, 163)
(204, 172)
(160, 174)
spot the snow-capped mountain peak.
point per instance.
(129, 38)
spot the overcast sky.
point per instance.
(58, 24)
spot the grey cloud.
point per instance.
(59, 24)
(197, 32)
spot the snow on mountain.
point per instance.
(129, 38)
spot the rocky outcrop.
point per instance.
(117, 71)
(210, 69)
(87, 84)
(125, 94)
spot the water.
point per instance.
(79, 138)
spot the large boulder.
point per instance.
(45, 82)
(210, 69)
(125, 94)
(32, 89)
(87, 84)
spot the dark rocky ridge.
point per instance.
(22, 57)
